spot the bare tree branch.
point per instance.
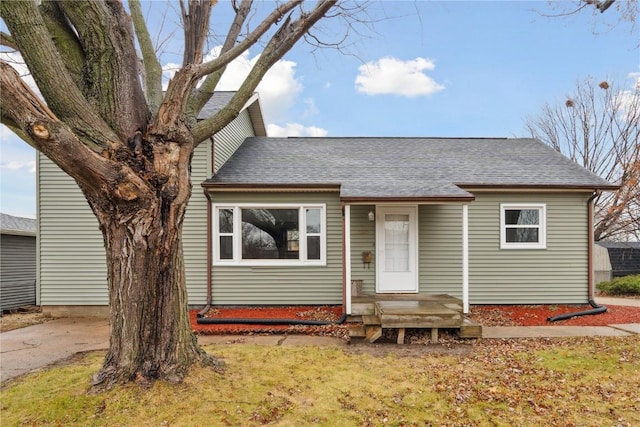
(602, 6)
(202, 94)
(598, 126)
(50, 73)
(151, 64)
(281, 42)
(195, 23)
(106, 33)
(65, 39)
(7, 40)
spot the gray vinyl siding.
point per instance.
(72, 268)
(555, 275)
(440, 247)
(363, 238)
(244, 285)
(72, 256)
(71, 259)
(228, 141)
(194, 231)
(17, 271)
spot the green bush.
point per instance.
(627, 285)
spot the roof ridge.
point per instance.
(404, 137)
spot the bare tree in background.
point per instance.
(626, 10)
(105, 120)
(598, 126)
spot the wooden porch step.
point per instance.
(357, 331)
(418, 314)
(470, 329)
(371, 320)
(373, 332)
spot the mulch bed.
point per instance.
(486, 315)
(536, 315)
(317, 313)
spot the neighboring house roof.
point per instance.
(10, 224)
(403, 168)
(221, 98)
(624, 257)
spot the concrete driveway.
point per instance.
(34, 347)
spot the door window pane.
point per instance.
(396, 232)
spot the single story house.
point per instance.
(284, 221)
(17, 262)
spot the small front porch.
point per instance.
(403, 311)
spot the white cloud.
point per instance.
(15, 153)
(392, 76)
(311, 109)
(295, 129)
(279, 89)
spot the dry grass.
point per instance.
(21, 318)
(586, 382)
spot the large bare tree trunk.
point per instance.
(151, 335)
(150, 330)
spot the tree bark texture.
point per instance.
(150, 328)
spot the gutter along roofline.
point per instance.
(533, 188)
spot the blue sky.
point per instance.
(433, 68)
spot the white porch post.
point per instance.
(347, 255)
(465, 258)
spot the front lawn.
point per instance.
(569, 382)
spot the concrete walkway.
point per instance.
(35, 347)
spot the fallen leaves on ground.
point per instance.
(589, 381)
(328, 314)
(537, 315)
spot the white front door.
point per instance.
(397, 249)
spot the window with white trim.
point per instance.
(523, 226)
(274, 234)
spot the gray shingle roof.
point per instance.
(217, 101)
(10, 224)
(379, 168)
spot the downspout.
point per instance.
(206, 308)
(597, 308)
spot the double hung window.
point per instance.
(522, 226)
(278, 234)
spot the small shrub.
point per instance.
(627, 285)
